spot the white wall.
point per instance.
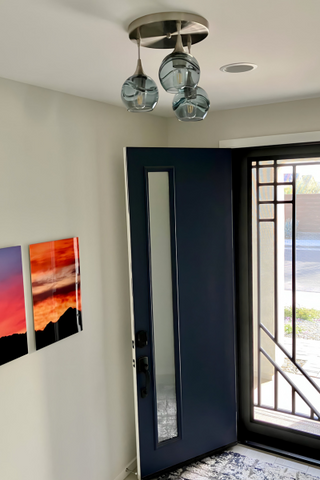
(274, 119)
(66, 412)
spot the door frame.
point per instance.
(135, 389)
(272, 140)
(269, 437)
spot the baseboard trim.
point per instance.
(125, 473)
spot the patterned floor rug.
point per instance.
(230, 465)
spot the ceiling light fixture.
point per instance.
(179, 69)
(139, 92)
(179, 72)
(191, 104)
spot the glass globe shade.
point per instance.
(179, 70)
(139, 93)
(191, 104)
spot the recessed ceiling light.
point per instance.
(238, 67)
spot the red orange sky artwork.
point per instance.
(55, 275)
(12, 309)
(13, 337)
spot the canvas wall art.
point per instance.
(13, 336)
(55, 276)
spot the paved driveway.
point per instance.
(308, 269)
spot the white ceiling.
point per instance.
(81, 47)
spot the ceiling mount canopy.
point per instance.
(159, 30)
(179, 72)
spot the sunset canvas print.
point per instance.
(55, 276)
(13, 336)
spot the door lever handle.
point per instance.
(143, 367)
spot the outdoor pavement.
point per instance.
(307, 271)
(303, 299)
(305, 243)
(309, 352)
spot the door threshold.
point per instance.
(154, 476)
(282, 453)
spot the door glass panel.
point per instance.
(294, 161)
(269, 375)
(284, 193)
(266, 175)
(284, 395)
(267, 383)
(301, 407)
(266, 211)
(266, 258)
(266, 193)
(255, 282)
(308, 268)
(284, 174)
(284, 275)
(162, 304)
(287, 308)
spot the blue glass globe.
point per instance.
(191, 104)
(139, 93)
(179, 70)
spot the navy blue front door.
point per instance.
(196, 414)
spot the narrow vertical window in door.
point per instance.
(286, 293)
(163, 302)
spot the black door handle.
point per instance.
(143, 367)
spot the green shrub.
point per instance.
(287, 312)
(307, 313)
(288, 328)
(303, 313)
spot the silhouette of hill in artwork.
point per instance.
(68, 324)
(12, 347)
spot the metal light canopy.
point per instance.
(159, 30)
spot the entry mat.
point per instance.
(231, 465)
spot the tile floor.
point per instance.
(266, 457)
